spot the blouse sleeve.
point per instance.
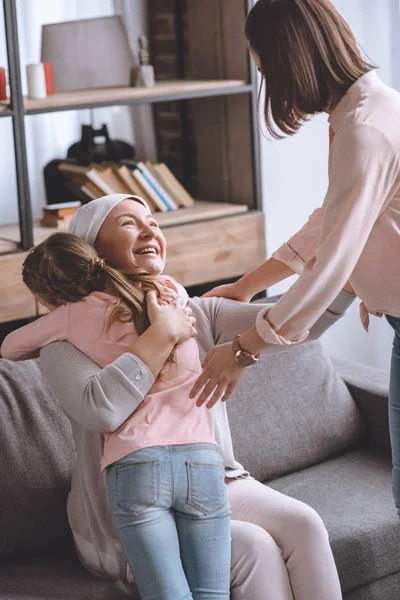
(301, 247)
(99, 399)
(25, 342)
(363, 176)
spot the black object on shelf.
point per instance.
(58, 187)
(90, 149)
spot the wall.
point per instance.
(294, 174)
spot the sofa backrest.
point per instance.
(36, 459)
(290, 411)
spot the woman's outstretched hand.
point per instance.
(174, 320)
(220, 376)
(229, 290)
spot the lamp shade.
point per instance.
(89, 53)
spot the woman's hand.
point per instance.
(219, 378)
(230, 290)
(174, 320)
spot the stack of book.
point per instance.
(154, 182)
(59, 215)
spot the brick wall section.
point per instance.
(168, 121)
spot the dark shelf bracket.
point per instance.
(254, 108)
(17, 107)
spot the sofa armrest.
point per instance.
(370, 389)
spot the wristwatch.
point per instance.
(243, 358)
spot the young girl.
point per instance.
(165, 474)
(310, 63)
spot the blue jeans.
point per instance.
(394, 409)
(170, 510)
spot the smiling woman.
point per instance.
(130, 237)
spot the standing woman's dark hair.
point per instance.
(308, 59)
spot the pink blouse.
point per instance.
(355, 236)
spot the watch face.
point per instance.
(245, 360)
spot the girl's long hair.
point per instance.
(309, 58)
(65, 268)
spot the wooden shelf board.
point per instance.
(5, 110)
(162, 91)
(9, 239)
(201, 211)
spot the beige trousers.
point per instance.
(280, 547)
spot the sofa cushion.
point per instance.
(35, 462)
(57, 577)
(382, 589)
(290, 411)
(352, 494)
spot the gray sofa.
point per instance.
(312, 430)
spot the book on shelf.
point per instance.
(62, 209)
(150, 180)
(134, 187)
(171, 183)
(59, 215)
(157, 187)
(79, 191)
(150, 191)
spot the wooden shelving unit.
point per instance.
(161, 92)
(222, 236)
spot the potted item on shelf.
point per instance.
(145, 73)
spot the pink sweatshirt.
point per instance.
(167, 415)
(356, 235)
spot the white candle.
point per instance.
(36, 81)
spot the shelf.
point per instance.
(201, 211)
(4, 110)
(163, 91)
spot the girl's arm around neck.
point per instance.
(25, 342)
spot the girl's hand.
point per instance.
(173, 319)
(220, 376)
(230, 290)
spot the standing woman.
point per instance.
(310, 63)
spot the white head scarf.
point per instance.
(87, 221)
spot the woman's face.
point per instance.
(130, 238)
